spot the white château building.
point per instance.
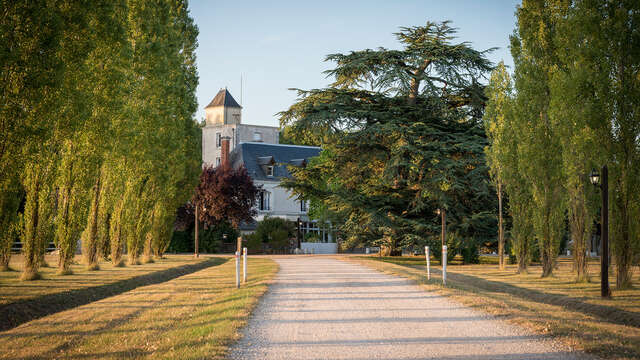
(258, 149)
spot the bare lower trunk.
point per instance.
(65, 241)
(116, 235)
(147, 251)
(91, 235)
(5, 257)
(29, 242)
(522, 262)
(546, 256)
(500, 229)
(579, 234)
(623, 252)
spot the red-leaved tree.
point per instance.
(227, 194)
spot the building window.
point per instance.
(270, 170)
(218, 139)
(257, 136)
(303, 206)
(218, 161)
(264, 199)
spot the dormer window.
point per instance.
(299, 162)
(267, 164)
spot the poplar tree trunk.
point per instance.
(500, 229)
(90, 246)
(147, 250)
(579, 235)
(9, 204)
(5, 255)
(117, 239)
(522, 260)
(30, 246)
(546, 256)
(65, 241)
(622, 246)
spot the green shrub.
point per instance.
(212, 238)
(254, 244)
(275, 232)
(181, 242)
(469, 252)
(311, 237)
(209, 240)
(279, 239)
(453, 245)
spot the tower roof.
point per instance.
(223, 98)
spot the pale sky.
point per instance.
(277, 45)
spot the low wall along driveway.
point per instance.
(319, 248)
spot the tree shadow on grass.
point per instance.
(603, 312)
(19, 312)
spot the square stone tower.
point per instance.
(224, 118)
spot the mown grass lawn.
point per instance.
(12, 289)
(191, 317)
(557, 306)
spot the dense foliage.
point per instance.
(226, 194)
(97, 123)
(574, 108)
(402, 135)
(272, 234)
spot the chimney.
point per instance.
(224, 156)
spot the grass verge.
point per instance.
(63, 298)
(195, 316)
(558, 307)
(12, 289)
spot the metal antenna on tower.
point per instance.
(240, 89)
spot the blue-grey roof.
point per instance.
(251, 154)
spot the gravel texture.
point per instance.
(323, 308)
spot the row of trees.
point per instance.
(572, 105)
(99, 141)
(402, 135)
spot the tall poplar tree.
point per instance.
(498, 117)
(598, 95)
(535, 56)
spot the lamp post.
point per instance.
(603, 182)
(196, 235)
(197, 254)
(298, 235)
(224, 240)
(443, 232)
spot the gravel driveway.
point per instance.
(323, 308)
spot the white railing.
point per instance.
(319, 248)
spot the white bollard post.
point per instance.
(237, 270)
(444, 265)
(244, 265)
(426, 255)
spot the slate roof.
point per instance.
(251, 154)
(223, 98)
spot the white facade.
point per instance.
(280, 203)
